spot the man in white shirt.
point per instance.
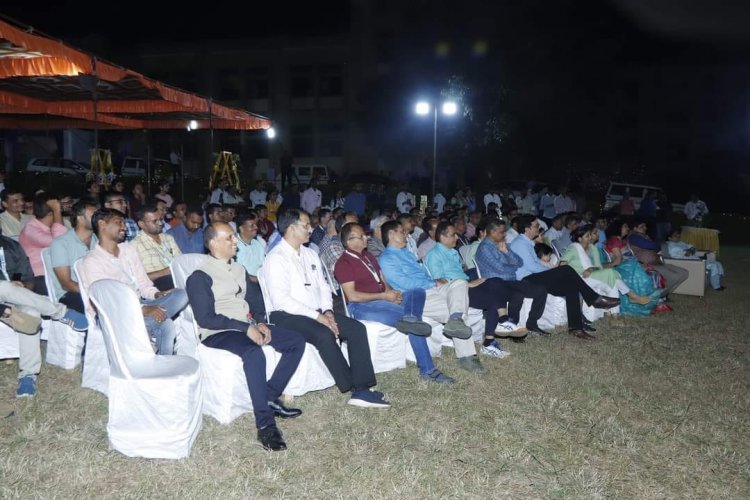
(405, 201)
(219, 194)
(13, 219)
(493, 197)
(311, 198)
(258, 195)
(439, 202)
(695, 209)
(563, 202)
(300, 300)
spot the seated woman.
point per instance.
(583, 256)
(491, 295)
(631, 272)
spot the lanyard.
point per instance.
(367, 264)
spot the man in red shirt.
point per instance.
(371, 299)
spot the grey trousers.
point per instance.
(30, 354)
(444, 300)
(673, 276)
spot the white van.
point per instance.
(62, 166)
(303, 174)
(635, 191)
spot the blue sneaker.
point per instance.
(368, 399)
(75, 320)
(26, 387)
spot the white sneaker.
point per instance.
(510, 329)
(493, 350)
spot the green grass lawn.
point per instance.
(657, 408)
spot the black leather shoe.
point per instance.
(588, 327)
(271, 438)
(282, 411)
(581, 334)
(535, 330)
(606, 302)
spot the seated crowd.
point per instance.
(402, 268)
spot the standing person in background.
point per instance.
(663, 224)
(136, 199)
(272, 204)
(285, 165)
(471, 200)
(563, 202)
(355, 201)
(493, 196)
(439, 202)
(547, 205)
(164, 195)
(337, 201)
(311, 198)
(258, 195)
(405, 201)
(218, 194)
(695, 210)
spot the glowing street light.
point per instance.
(271, 133)
(422, 108)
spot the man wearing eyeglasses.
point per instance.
(155, 248)
(300, 300)
(117, 201)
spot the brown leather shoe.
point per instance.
(581, 334)
(606, 302)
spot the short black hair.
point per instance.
(442, 229)
(579, 232)
(148, 208)
(193, 209)
(80, 208)
(346, 230)
(542, 249)
(289, 217)
(41, 209)
(490, 223)
(244, 217)
(386, 228)
(525, 221)
(104, 214)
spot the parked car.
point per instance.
(62, 166)
(134, 166)
(303, 174)
(636, 192)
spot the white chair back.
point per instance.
(343, 294)
(479, 272)
(332, 283)
(182, 267)
(124, 330)
(462, 252)
(95, 373)
(48, 278)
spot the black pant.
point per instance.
(74, 301)
(290, 344)
(564, 282)
(489, 296)
(526, 290)
(356, 375)
(164, 283)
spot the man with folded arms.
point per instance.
(445, 302)
(220, 297)
(301, 301)
(371, 299)
(561, 281)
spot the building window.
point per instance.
(302, 82)
(331, 80)
(330, 140)
(257, 83)
(303, 144)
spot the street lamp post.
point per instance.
(449, 108)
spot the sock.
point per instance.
(456, 316)
(488, 341)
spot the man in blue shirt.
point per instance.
(445, 302)
(495, 260)
(560, 281)
(189, 234)
(355, 201)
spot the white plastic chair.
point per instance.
(64, 344)
(311, 374)
(225, 392)
(8, 342)
(155, 401)
(95, 372)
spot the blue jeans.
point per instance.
(388, 313)
(165, 333)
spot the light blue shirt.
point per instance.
(402, 271)
(63, 252)
(495, 264)
(444, 262)
(251, 256)
(524, 248)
